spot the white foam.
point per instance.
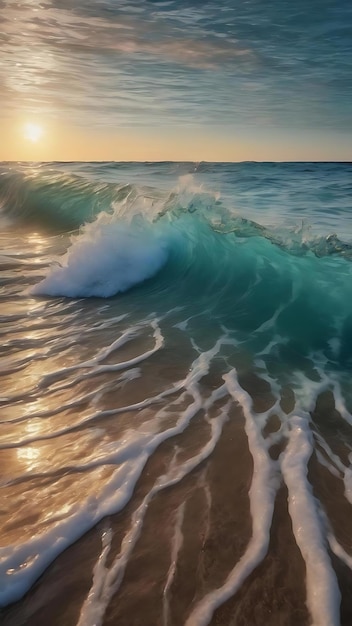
(22, 564)
(335, 465)
(323, 461)
(106, 258)
(339, 551)
(177, 541)
(103, 589)
(323, 595)
(262, 497)
(340, 403)
(93, 364)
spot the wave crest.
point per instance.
(106, 258)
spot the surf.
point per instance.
(194, 252)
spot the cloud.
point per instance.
(133, 61)
(124, 68)
(28, 25)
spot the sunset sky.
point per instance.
(212, 80)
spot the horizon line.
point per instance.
(346, 161)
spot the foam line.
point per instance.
(338, 550)
(93, 609)
(323, 595)
(176, 544)
(22, 564)
(340, 404)
(323, 461)
(100, 565)
(336, 462)
(126, 336)
(99, 369)
(262, 495)
(96, 416)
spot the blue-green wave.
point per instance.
(187, 249)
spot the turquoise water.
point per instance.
(261, 248)
(159, 291)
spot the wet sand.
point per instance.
(216, 528)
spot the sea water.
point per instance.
(176, 395)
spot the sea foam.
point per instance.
(106, 258)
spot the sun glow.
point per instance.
(33, 132)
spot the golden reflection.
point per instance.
(29, 455)
(38, 241)
(38, 246)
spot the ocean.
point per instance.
(176, 394)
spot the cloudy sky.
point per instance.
(176, 79)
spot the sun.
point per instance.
(33, 131)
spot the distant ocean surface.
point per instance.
(176, 394)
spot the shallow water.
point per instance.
(176, 396)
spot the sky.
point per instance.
(219, 80)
